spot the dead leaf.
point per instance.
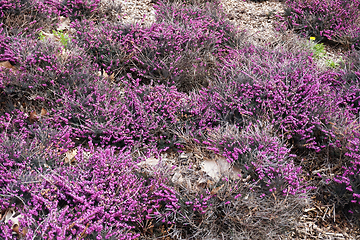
(33, 117)
(216, 190)
(6, 64)
(106, 76)
(16, 229)
(49, 36)
(149, 162)
(112, 77)
(212, 169)
(210, 183)
(11, 215)
(218, 167)
(43, 112)
(70, 155)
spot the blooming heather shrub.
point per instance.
(285, 89)
(207, 16)
(63, 83)
(100, 197)
(178, 57)
(43, 69)
(7, 52)
(349, 80)
(342, 190)
(96, 10)
(111, 51)
(125, 117)
(186, 79)
(79, 9)
(183, 49)
(261, 155)
(337, 21)
(26, 16)
(26, 149)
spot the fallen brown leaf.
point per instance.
(6, 64)
(216, 190)
(43, 112)
(16, 229)
(70, 155)
(33, 117)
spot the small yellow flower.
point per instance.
(312, 38)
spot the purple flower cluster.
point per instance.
(350, 179)
(132, 117)
(337, 21)
(282, 88)
(261, 155)
(78, 9)
(100, 194)
(183, 48)
(20, 17)
(117, 92)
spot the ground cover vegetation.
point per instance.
(83, 105)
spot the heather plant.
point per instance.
(349, 79)
(7, 53)
(230, 207)
(261, 155)
(207, 16)
(78, 9)
(93, 196)
(336, 21)
(339, 185)
(131, 117)
(235, 209)
(78, 114)
(179, 50)
(26, 17)
(30, 17)
(43, 69)
(283, 88)
(343, 188)
(350, 179)
(92, 199)
(96, 10)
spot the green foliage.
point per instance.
(64, 38)
(41, 36)
(332, 64)
(319, 50)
